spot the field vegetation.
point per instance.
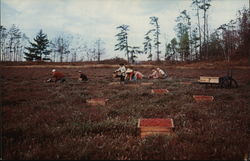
(43, 120)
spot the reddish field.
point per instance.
(53, 121)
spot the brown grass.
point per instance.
(53, 121)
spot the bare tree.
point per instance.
(99, 50)
(196, 4)
(61, 46)
(77, 48)
(14, 35)
(4, 34)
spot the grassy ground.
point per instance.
(53, 121)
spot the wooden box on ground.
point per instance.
(159, 91)
(97, 101)
(151, 126)
(211, 80)
(201, 98)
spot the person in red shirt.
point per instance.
(138, 75)
(133, 75)
(129, 74)
(58, 76)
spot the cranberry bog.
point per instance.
(48, 121)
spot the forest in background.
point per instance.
(192, 42)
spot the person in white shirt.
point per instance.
(162, 74)
(121, 71)
(154, 75)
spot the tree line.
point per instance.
(193, 41)
(17, 46)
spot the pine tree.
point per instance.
(167, 51)
(38, 49)
(182, 29)
(196, 4)
(148, 47)
(156, 33)
(205, 6)
(122, 38)
(133, 52)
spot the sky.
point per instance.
(98, 19)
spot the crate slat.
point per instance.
(97, 101)
(144, 134)
(150, 129)
(150, 126)
(205, 79)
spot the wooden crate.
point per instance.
(151, 126)
(147, 83)
(205, 79)
(201, 98)
(97, 101)
(159, 91)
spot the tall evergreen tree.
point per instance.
(182, 34)
(205, 6)
(196, 42)
(133, 52)
(156, 33)
(122, 38)
(171, 50)
(39, 48)
(244, 31)
(174, 46)
(168, 51)
(196, 4)
(148, 47)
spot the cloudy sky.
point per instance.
(94, 19)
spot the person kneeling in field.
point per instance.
(56, 76)
(162, 74)
(82, 77)
(120, 72)
(154, 75)
(133, 75)
(138, 75)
